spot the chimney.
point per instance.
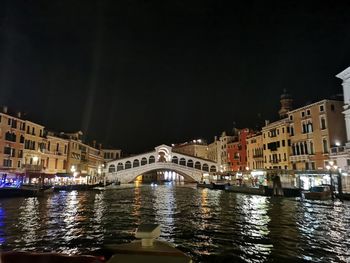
(94, 143)
(4, 109)
(215, 138)
(267, 122)
(100, 146)
(19, 114)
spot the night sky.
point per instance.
(135, 74)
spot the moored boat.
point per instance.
(322, 192)
(79, 187)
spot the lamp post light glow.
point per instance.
(35, 159)
(332, 167)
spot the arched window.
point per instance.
(151, 159)
(182, 161)
(136, 163)
(120, 167)
(127, 165)
(144, 161)
(197, 165)
(212, 169)
(205, 167)
(189, 163)
(175, 160)
(111, 168)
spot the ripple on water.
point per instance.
(209, 225)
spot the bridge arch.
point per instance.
(127, 165)
(111, 168)
(189, 163)
(151, 159)
(182, 161)
(136, 163)
(143, 161)
(175, 160)
(205, 167)
(120, 166)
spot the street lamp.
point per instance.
(331, 167)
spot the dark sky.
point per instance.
(135, 74)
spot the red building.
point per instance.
(237, 151)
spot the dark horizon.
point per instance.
(137, 74)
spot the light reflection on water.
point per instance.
(209, 225)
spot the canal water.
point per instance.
(209, 225)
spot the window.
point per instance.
(303, 114)
(21, 139)
(291, 130)
(9, 121)
(7, 150)
(289, 143)
(57, 147)
(282, 130)
(33, 131)
(321, 108)
(308, 112)
(19, 164)
(325, 146)
(309, 127)
(7, 163)
(291, 117)
(283, 143)
(323, 123)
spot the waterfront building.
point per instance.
(34, 158)
(276, 144)
(340, 154)
(255, 155)
(12, 129)
(213, 153)
(56, 154)
(198, 148)
(111, 154)
(314, 129)
(237, 150)
(84, 161)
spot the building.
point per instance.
(213, 153)
(276, 144)
(341, 152)
(111, 154)
(237, 151)
(34, 158)
(95, 163)
(314, 129)
(56, 154)
(255, 154)
(198, 148)
(12, 129)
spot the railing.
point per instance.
(298, 158)
(33, 167)
(339, 149)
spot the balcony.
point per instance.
(300, 158)
(33, 167)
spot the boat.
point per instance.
(322, 192)
(17, 192)
(205, 185)
(147, 248)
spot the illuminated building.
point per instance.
(197, 148)
(12, 129)
(276, 145)
(237, 151)
(255, 156)
(314, 129)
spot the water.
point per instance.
(209, 225)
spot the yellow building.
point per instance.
(34, 148)
(197, 148)
(314, 129)
(255, 155)
(276, 145)
(56, 154)
(12, 130)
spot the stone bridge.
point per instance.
(161, 159)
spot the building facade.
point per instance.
(255, 154)
(111, 154)
(237, 151)
(276, 145)
(314, 129)
(12, 129)
(197, 148)
(56, 154)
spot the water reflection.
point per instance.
(28, 222)
(209, 225)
